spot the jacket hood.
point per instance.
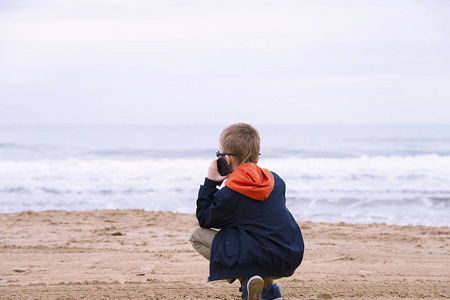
(252, 181)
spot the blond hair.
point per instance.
(243, 140)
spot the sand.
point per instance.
(136, 254)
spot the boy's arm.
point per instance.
(212, 211)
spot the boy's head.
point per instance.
(241, 139)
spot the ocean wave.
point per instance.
(146, 153)
(362, 189)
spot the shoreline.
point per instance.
(30, 211)
(136, 254)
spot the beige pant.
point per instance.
(201, 240)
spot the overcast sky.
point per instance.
(217, 62)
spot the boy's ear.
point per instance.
(228, 159)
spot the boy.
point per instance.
(259, 240)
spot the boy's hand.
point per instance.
(213, 172)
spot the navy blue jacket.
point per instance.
(256, 237)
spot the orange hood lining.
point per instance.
(252, 181)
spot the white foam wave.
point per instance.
(390, 189)
(88, 184)
(427, 173)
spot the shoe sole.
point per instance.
(254, 288)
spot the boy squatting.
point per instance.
(259, 240)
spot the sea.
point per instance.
(393, 174)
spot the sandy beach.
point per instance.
(137, 254)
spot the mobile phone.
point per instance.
(222, 166)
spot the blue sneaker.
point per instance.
(272, 293)
(251, 288)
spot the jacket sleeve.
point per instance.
(213, 208)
